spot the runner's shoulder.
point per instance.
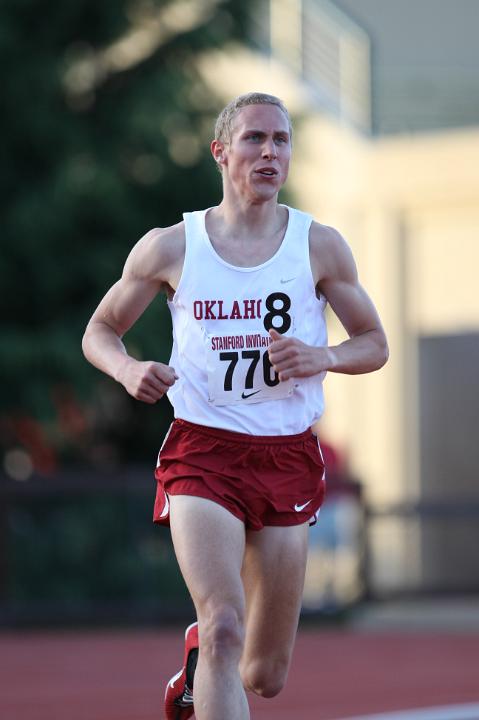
(157, 252)
(329, 250)
(166, 244)
(325, 237)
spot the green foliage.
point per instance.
(92, 165)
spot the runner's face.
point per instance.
(256, 161)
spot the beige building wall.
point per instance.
(409, 208)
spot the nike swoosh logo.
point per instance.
(298, 508)
(249, 394)
(175, 678)
(287, 280)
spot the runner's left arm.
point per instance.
(336, 278)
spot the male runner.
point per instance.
(240, 476)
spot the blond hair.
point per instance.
(224, 122)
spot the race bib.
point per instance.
(239, 370)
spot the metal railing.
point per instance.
(327, 50)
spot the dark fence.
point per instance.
(441, 539)
(81, 547)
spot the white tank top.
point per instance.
(221, 315)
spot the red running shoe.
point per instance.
(179, 691)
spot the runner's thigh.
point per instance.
(209, 545)
(273, 577)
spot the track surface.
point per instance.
(335, 674)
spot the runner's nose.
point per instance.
(269, 149)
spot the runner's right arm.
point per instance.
(153, 266)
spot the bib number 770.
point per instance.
(254, 356)
(243, 373)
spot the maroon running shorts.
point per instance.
(261, 480)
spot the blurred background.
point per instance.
(107, 114)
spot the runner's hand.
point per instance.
(147, 381)
(291, 357)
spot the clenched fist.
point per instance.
(291, 357)
(147, 381)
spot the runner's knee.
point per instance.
(222, 632)
(265, 677)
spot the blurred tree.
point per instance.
(106, 125)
